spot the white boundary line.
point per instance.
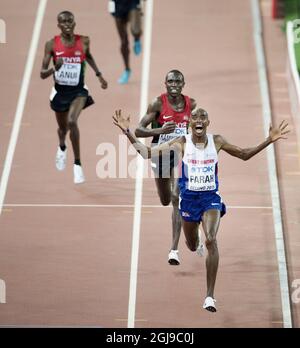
(118, 206)
(21, 101)
(2, 291)
(293, 79)
(140, 167)
(292, 58)
(278, 229)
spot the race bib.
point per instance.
(68, 74)
(202, 182)
(201, 177)
(179, 131)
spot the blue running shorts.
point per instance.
(193, 206)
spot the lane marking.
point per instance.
(140, 167)
(283, 100)
(120, 206)
(291, 155)
(9, 124)
(21, 101)
(293, 81)
(281, 90)
(267, 118)
(125, 319)
(2, 291)
(281, 75)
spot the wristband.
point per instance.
(98, 73)
(126, 132)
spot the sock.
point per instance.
(77, 161)
(62, 147)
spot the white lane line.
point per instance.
(140, 167)
(118, 206)
(21, 101)
(278, 229)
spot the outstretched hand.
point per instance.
(278, 133)
(121, 121)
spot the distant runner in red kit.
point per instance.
(70, 95)
(169, 116)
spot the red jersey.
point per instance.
(72, 71)
(168, 114)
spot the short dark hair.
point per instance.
(200, 111)
(64, 13)
(174, 71)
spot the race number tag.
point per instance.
(201, 172)
(202, 179)
(68, 74)
(111, 6)
(179, 131)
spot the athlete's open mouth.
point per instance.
(199, 128)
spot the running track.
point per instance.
(65, 250)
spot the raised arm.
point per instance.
(153, 110)
(245, 154)
(90, 60)
(145, 151)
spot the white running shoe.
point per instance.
(78, 174)
(61, 159)
(174, 258)
(200, 249)
(209, 304)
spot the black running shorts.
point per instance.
(60, 101)
(123, 7)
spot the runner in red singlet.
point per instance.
(169, 116)
(69, 96)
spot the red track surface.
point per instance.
(71, 265)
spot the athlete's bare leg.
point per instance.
(121, 24)
(168, 192)
(190, 230)
(210, 224)
(62, 121)
(135, 23)
(73, 114)
(176, 218)
(164, 191)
